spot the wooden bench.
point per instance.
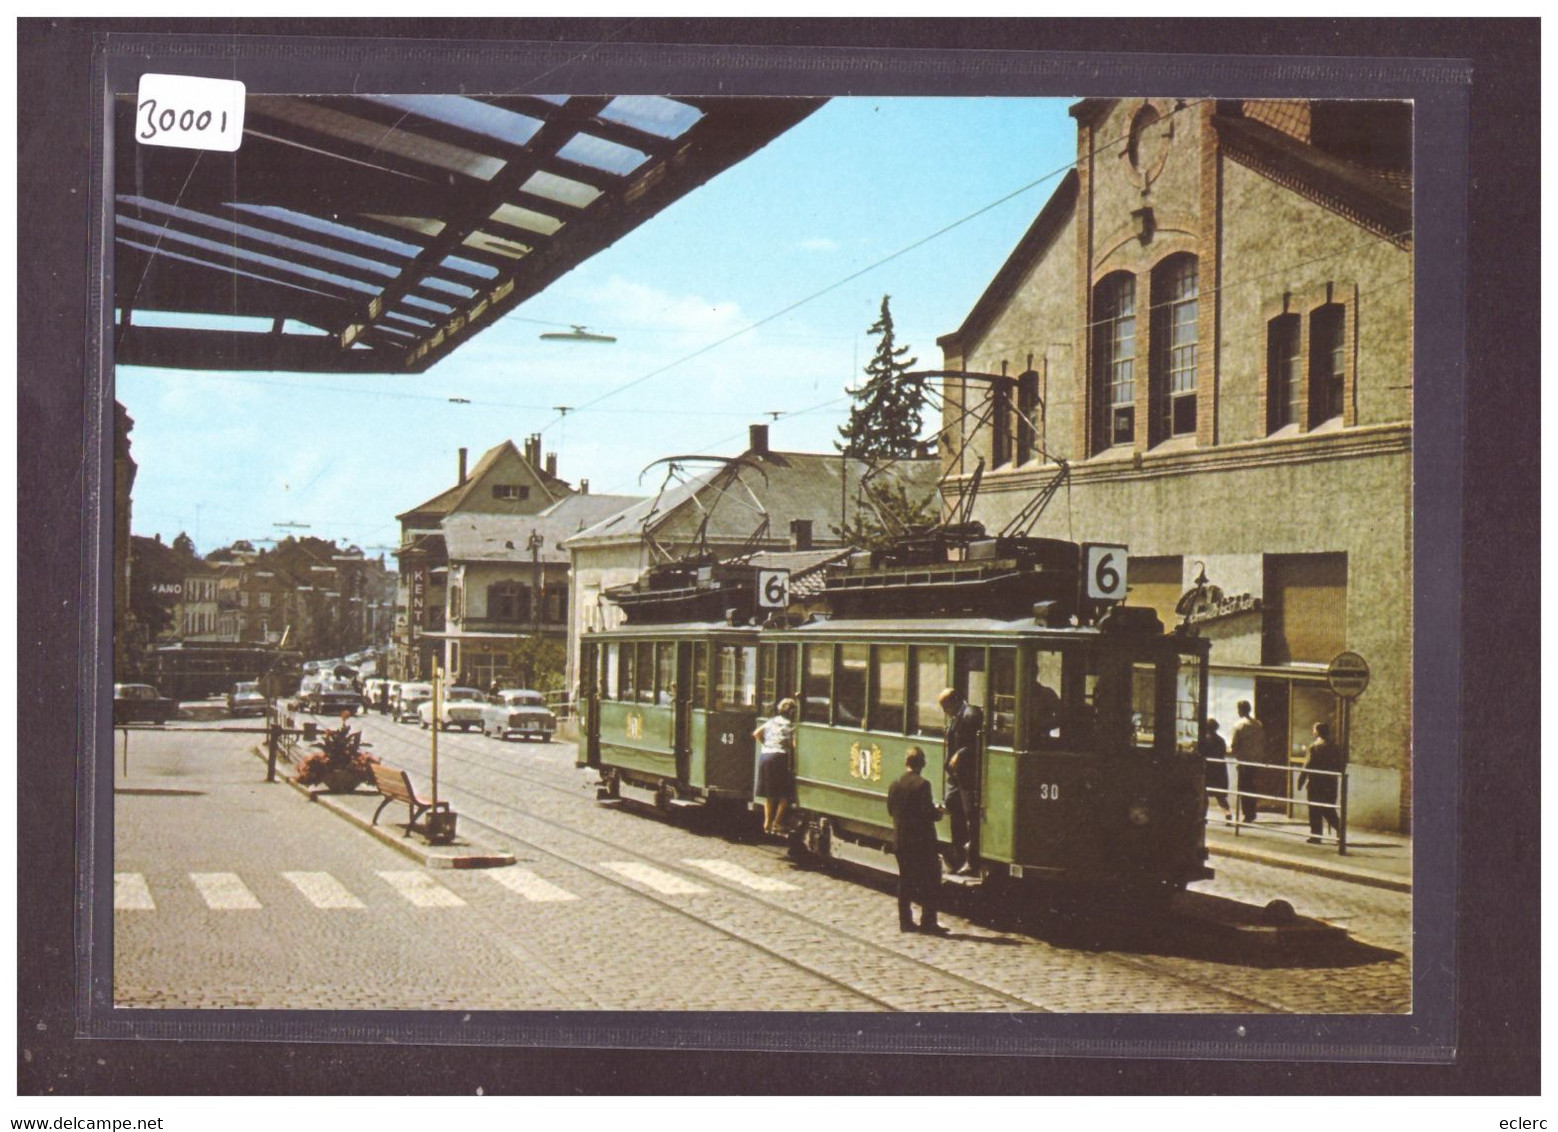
(396, 786)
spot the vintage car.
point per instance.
(140, 703)
(518, 711)
(246, 699)
(408, 697)
(458, 707)
(331, 697)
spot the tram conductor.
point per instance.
(964, 724)
(914, 817)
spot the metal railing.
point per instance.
(1291, 801)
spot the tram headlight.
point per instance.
(1138, 814)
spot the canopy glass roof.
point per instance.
(377, 233)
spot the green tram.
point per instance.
(1092, 714)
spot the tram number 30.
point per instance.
(1049, 791)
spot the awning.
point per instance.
(374, 234)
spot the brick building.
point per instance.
(1209, 324)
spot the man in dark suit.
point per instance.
(964, 724)
(914, 817)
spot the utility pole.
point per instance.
(535, 544)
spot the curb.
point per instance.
(432, 858)
(1315, 868)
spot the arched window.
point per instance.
(1027, 416)
(1285, 386)
(1175, 329)
(1327, 362)
(1114, 354)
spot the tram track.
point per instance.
(492, 763)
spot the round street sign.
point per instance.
(1348, 675)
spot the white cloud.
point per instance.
(625, 303)
(819, 244)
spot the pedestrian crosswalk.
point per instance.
(230, 892)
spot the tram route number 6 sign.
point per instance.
(1103, 571)
(773, 589)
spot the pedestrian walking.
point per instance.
(914, 816)
(1247, 746)
(1214, 757)
(965, 723)
(774, 781)
(1324, 755)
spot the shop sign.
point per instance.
(418, 598)
(1212, 605)
(1348, 675)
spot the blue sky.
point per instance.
(229, 455)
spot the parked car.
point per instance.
(140, 703)
(458, 707)
(408, 697)
(518, 711)
(246, 699)
(331, 697)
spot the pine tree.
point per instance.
(884, 422)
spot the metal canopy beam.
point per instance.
(403, 185)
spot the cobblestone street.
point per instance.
(233, 893)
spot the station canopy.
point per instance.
(374, 234)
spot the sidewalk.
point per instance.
(1382, 860)
(360, 807)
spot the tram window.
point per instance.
(736, 685)
(1003, 696)
(1048, 718)
(1144, 701)
(700, 674)
(784, 673)
(625, 673)
(644, 670)
(887, 688)
(930, 677)
(1107, 693)
(768, 680)
(1187, 702)
(817, 684)
(665, 671)
(608, 688)
(849, 687)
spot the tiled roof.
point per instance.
(472, 537)
(789, 485)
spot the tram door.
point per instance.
(588, 721)
(682, 725)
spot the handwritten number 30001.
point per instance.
(167, 119)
